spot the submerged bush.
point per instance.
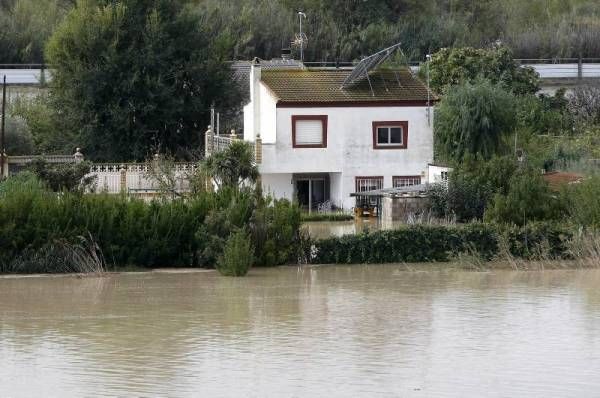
(238, 255)
(442, 243)
(177, 233)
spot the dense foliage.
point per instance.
(347, 29)
(173, 233)
(441, 243)
(528, 199)
(238, 255)
(473, 119)
(453, 66)
(136, 77)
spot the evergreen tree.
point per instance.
(136, 76)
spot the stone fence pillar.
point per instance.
(78, 156)
(208, 142)
(123, 179)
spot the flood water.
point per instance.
(327, 229)
(303, 332)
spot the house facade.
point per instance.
(323, 140)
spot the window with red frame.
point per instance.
(390, 135)
(309, 131)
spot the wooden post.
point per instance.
(258, 149)
(123, 179)
(580, 68)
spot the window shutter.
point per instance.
(309, 132)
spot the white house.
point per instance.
(324, 139)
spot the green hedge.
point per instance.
(178, 233)
(421, 243)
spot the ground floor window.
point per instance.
(405, 181)
(365, 184)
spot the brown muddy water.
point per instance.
(343, 331)
(327, 229)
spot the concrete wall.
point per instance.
(279, 185)
(399, 209)
(268, 117)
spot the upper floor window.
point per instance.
(309, 131)
(390, 135)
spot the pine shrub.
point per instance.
(238, 255)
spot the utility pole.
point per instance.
(428, 61)
(212, 118)
(2, 128)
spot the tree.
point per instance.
(18, 137)
(232, 167)
(63, 176)
(454, 66)
(137, 76)
(471, 187)
(528, 199)
(473, 119)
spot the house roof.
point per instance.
(241, 72)
(557, 179)
(324, 86)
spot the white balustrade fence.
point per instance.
(138, 178)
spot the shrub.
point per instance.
(528, 199)
(238, 255)
(583, 203)
(455, 66)
(441, 243)
(471, 186)
(63, 176)
(275, 227)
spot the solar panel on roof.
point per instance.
(362, 69)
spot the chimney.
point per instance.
(255, 77)
(286, 54)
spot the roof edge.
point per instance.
(349, 104)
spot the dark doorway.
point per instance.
(303, 193)
(311, 192)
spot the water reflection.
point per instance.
(326, 229)
(331, 331)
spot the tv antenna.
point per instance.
(300, 39)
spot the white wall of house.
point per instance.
(349, 151)
(268, 117)
(278, 185)
(437, 174)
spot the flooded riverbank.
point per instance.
(320, 331)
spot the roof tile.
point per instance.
(325, 85)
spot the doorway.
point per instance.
(311, 192)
